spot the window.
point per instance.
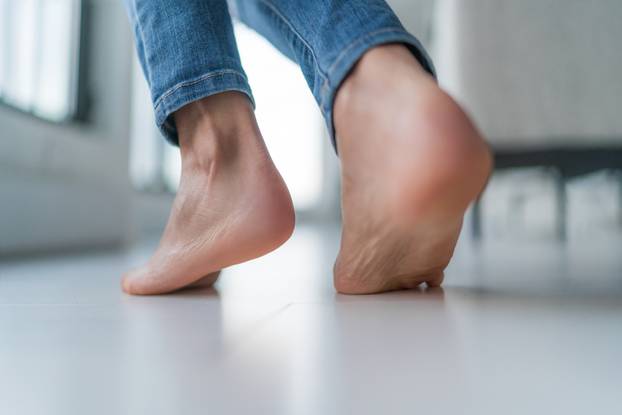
(39, 42)
(287, 114)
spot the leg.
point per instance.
(326, 38)
(411, 160)
(232, 204)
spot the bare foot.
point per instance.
(411, 162)
(232, 204)
(207, 281)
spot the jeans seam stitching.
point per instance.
(142, 39)
(195, 81)
(340, 57)
(242, 90)
(282, 17)
(347, 49)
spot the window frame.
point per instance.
(78, 108)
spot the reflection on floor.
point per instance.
(519, 328)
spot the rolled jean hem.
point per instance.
(195, 89)
(348, 58)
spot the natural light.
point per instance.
(288, 116)
(38, 56)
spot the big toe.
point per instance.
(137, 282)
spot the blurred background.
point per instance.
(83, 166)
(528, 320)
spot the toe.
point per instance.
(207, 281)
(435, 280)
(136, 283)
(127, 282)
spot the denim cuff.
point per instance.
(348, 58)
(193, 90)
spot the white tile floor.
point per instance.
(519, 328)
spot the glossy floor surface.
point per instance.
(519, 328)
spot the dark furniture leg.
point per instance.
(476, 219)
(562, 206)
(569, 162)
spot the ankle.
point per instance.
(392, 62)
(386, 76)
(215, 129)
(383, 66)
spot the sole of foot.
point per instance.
(411, 163)
(232, 204)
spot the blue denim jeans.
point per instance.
(187, 48)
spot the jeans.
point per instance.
(187, 48)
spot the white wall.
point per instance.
(416, 16)
(66, 186)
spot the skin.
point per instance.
(411, 163)
(232, 204)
